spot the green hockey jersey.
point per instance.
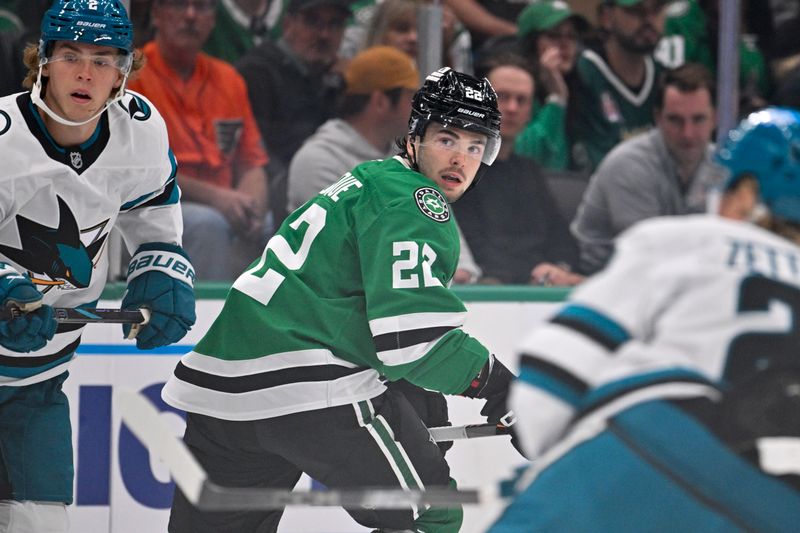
(607, 111)
(687, 40)
(351, 290)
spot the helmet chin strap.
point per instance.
(36, 98)
(413, 157)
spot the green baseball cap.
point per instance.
(546, 14)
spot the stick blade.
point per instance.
(145, 422)
(216, 498)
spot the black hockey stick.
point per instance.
(77, 315)
(470, 431)
(143, 419)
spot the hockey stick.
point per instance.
(78, 315)
(143, 419)
(470, 431)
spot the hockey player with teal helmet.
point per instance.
(766, 147)
(688, 366)
(95, 22)
(104, 23)
(81, 168)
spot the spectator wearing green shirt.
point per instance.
(613, 98)
(691, 31)
(550, 37)
(241, 25)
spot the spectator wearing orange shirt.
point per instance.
(214, 136)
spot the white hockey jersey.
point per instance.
(58, 204)
(686, 304)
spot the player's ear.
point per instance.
(118, 82)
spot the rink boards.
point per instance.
(118, 489)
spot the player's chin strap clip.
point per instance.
(136, 328)
(508, 419)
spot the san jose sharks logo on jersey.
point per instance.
(137, 109)
(5, 122)
(57, 256)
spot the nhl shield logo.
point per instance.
(76, 160)
(432, 204)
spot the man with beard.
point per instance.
(614, 93)
(292, 86)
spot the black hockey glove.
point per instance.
(492, 384)
(429, 405)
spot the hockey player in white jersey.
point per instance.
(80, 156)
(664, 395)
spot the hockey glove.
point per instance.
(492, 383)
(32, 329)
(161, 279)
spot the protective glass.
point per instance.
(100, 63)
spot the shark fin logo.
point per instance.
(56, 257)
(137, 108)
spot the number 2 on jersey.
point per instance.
(754, 351)
(262, 288)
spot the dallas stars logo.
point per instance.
(432, 204)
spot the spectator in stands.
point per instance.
(550, 36)
(241, 25)
(214, 136)
(11, 65)
(511, 222)
(292, 85)
(24, 16)
(691, 34)
(616, 77)
(140, 16)
(487, 20)
(662, 172)
(373, 114)
(394, 23)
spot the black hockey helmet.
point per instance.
(458, 100)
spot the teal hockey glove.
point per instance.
(32, 329)
(161, 279)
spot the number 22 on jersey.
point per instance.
(262, 287)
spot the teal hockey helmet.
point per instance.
(766, 146)
(100, 22)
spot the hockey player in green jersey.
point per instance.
(350, 292)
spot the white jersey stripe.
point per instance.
(409, 354)
(274, 401)
(277, 361)
(393, 324)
